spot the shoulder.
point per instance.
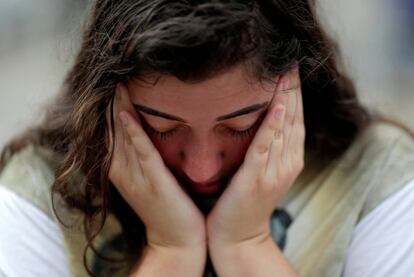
(385, 234)
(17, 217)
(387, 152)
(379, 147)
(30, 173)
(381, 137)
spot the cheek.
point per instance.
(236, 150)
(167, 150)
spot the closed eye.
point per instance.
(235, 133)
(245, 133)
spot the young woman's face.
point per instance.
(202, 130)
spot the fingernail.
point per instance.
(120, 90)
(277, 134)
(279, 112)
(124, 119)
(284, 82)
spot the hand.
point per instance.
(272, 163)
(171, 218)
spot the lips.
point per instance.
(204, 195)
(205, 188)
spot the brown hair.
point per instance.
(190, 39)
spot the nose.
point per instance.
(202, 161)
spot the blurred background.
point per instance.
(39, 39)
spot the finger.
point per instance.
(132, 126)
(123, 105)
(149, 160)
(119, 131)
(294, 92)
(115, 128)
(258, 153)
(154, 171)
(140, 144)
(116, 139)
(274, 160)
(287, 96)
(296, 122)
(298, 144)
(129, 115)
(283, 98)
(125, 100)
(299, 130)
(293, 151)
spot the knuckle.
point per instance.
(114, 173)
(135, 136)
(300, 120)
(262, 148)
(277, 134)
(149, 156)
(143, 156)
(298, 167)
(301, 129)
(271, 125)
(301, 165)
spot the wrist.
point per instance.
(161, 261)
(259, 256)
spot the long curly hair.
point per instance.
(192, 40)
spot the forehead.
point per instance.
(227, 91)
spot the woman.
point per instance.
(179, 135)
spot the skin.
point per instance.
(202, 152)
(160, 178)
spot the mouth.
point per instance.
(206, 188)
(204, 195)
(211, 189)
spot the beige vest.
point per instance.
(325, 204)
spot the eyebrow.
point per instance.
(246, 110)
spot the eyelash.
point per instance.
(161, 135)
(244, 134)
(237, 134)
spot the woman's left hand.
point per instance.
(272, 163)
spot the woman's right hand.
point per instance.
(137, 170)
